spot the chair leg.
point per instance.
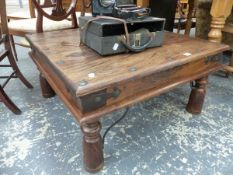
(23, 79)
(18, 73)
(12, 41)
(7, 101)
(228, 70)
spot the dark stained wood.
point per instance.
(67, 67)
(191, 14)
(8, 102)
(46, 89)
(92, 147)
(74, 63)
(197, 96)
(158, 80)
(57, 84)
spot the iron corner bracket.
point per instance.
(98, 99)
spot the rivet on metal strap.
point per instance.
(98, 99)
(83, 83)
(170, 59)
(60, 62)
(133, 69)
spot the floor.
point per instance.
(156, 137)
(16, 6)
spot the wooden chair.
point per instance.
(7, 53)
(185, 15)
(19, 15)
(50, 16)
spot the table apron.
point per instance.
(91, 107)
(136, 90)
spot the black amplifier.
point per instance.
(105, 7)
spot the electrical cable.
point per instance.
(116, 122)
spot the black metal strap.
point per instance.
(115, 123)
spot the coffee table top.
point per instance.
(85, 71)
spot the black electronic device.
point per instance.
(125, 9)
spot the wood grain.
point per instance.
(74, 63)
(59, 55)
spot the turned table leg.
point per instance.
(217, 24)
(220, 10)
(197, 96)
(92, 147)
(46, 89)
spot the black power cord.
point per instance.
(116, 122)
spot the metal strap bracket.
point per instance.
(99, 99)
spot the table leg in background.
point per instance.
(46, 89)
(197, 96)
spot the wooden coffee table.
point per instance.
(92, 86)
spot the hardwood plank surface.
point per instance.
(74, 63)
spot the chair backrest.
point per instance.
(43, 4)
(58, 13)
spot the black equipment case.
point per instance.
(125, 27)
(109, 36)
